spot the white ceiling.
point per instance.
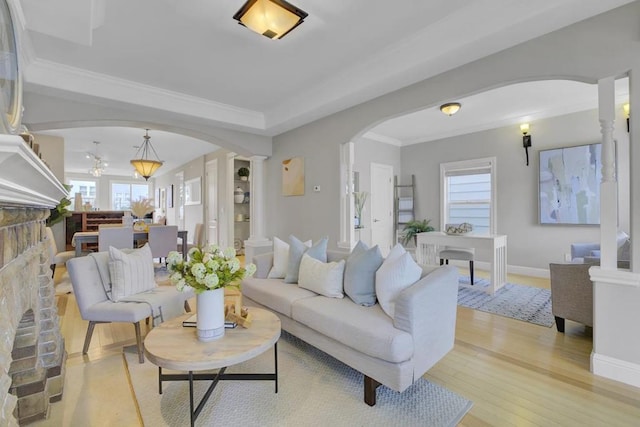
(117, 148)
(343, 54)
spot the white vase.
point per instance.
(210, 319)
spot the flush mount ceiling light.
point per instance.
(144, 165)
(271, 18)
(98, 165)
(450, 108)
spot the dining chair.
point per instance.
(118, 237)
(55, 256)
(162, 240)
(198, 239)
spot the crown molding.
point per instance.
(76, 80)
(382, 138)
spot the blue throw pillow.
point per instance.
(297, 248)
(360, 274)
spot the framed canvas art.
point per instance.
(170, 196)
(293, 176)
(569, 185)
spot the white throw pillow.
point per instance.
(393, 277)
(320, 277)
(131, 273)
(396, 252)
(281, 258)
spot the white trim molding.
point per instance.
(63, 77)
(616, 351)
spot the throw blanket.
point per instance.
(162, 307)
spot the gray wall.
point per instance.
(567, 53)
(529, 243)
(366, 152)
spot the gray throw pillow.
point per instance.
(297, 248)
(360, 274)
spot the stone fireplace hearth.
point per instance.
(32, 354)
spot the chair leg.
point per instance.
(441, 261)
(53, 270)
(139, 342)
(187, 307)
(87, 338)
(560, 324)
(471, 271)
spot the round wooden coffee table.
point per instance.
(173, 346)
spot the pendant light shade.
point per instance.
(271, 18)
(143, 164)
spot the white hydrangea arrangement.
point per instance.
(207, 269)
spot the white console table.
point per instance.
(496, 246)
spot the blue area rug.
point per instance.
(520, 302)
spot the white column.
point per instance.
(258, 242)
(634, 169)
(609, 186)
(347, 209)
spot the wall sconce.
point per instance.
(626, 109)
(526, 139)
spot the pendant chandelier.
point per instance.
(98, 164)
(143, 164)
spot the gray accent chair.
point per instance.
(88, 276)
(55, 256)
(571, 294)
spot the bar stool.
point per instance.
(459, 254)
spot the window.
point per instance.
(468, 190)
(84, 187)
(123, 193)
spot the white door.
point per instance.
(179, 202)
(382, 207)
(212, 202)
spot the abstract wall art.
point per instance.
(569, 185)
(293, 177)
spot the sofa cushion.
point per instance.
(365, 329)
(324, 278)
(360, 274)
(393, 276)
(297, 248)
(131, 273)
(281, 258)
(274, 293)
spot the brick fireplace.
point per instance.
(32, 354)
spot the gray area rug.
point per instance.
(520, 302)
(314, 389)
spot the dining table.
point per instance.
(81, 237)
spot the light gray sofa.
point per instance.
(393, 352)
(589, 253)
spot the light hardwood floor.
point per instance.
(516, 373)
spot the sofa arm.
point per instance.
(263, 264)
(581, 250)
(427, 310)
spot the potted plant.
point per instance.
(243, 173)
(412, 228)
(61, 211)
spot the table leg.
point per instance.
(275, 353)
(193, 415)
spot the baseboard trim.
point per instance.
(512, 269)
(615, 369)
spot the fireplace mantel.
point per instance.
(25, 180)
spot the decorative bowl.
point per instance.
(458, 229)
